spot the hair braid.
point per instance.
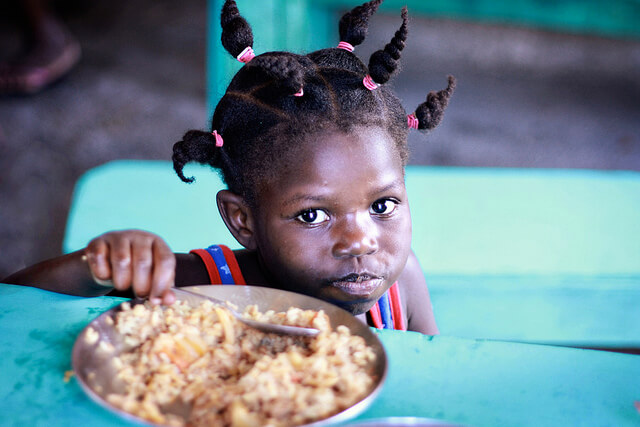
(236, 31)
(195, 146)
(286, 69)
(430, 112)
(354, 24)
(383, 63)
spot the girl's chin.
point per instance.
(354, 298)
(354, 307)
(355, 304)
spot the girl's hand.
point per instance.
(134, 259)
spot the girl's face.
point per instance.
(336, 225)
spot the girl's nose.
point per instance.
(355, 236)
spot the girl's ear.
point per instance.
(237, 216)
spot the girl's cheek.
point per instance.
(296, 255)
(398, 240)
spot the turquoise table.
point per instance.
(528, 255)
(467, 381)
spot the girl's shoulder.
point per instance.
(415, 297)
(191, 270)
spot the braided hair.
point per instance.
(277, 98)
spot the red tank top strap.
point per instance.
(232, 262)
(376, 316)
(396, 308)
(212, 269)
(227, 262)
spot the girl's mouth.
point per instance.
(358, 285)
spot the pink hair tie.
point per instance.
(218, 138)
(369, 83)
(246, 55)
(412, 121)
(299, 93)
(346, 46)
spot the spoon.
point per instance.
(260, 326)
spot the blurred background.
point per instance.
(540, 85)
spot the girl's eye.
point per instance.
(313, 216)
(383, 207)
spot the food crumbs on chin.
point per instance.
(68, 375)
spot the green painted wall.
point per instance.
(619, 18)
(293, 25)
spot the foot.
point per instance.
(49, 58)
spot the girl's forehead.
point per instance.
(361, 144)
(361, 161)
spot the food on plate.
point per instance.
(197, 365)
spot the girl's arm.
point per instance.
(132, 260)
(416, 299)
(68, 274)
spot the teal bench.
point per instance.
(542, 256)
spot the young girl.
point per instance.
(312, 149)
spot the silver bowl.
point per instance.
(96, 374)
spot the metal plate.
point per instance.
(93, 361)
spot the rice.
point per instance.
(186, 365)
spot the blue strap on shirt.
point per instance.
(385, 311)
(221, 262)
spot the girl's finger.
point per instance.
(120, 258)
(97, 253)
(164, 270)
(169, 298)
(142, 258)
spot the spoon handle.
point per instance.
(262, 326)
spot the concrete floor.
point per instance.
(525, 98)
